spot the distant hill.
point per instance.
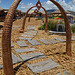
(50, 11)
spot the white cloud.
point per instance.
(72, 2)
(24, 7)
(68, 6)
(49, 5)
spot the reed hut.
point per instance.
(3, 13)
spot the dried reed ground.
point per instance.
(53, 51)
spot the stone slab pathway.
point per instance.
(31, 28)
(22, 43)
(59, 39)
(34, 42)
(23, 38)
(31, 56)
(43, 66)
(31, 32)
(45, 41)
(15, 59)
(27, 36)
(25, 50)
(52, 41)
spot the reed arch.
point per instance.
(6, 36)
(30, 16)
(24, 19)
(33, 14)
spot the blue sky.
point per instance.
(25, 4)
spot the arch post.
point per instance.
(68, 29)
(24, 20)
(6, 36)
(46, 18)
(29, 19)
(6, 40)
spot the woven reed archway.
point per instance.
(39, 7)
(6, 36)
(33, 14)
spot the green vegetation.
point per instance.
(73, 28)
(39, 19)
(51, 25)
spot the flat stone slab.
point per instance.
(52, 41)
(43, 66)
(27, 35)
(59, 39)
(34, 42)
(22, 38)
(32, 56)
(22, 43)
(12, 44)
(65, 73)
(1, 66)
(32, 32)
(73, 38)
(15, 59)
(24, 35)
(25, 50)
(31, 28)
(45, 41)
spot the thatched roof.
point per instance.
(6, 10)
